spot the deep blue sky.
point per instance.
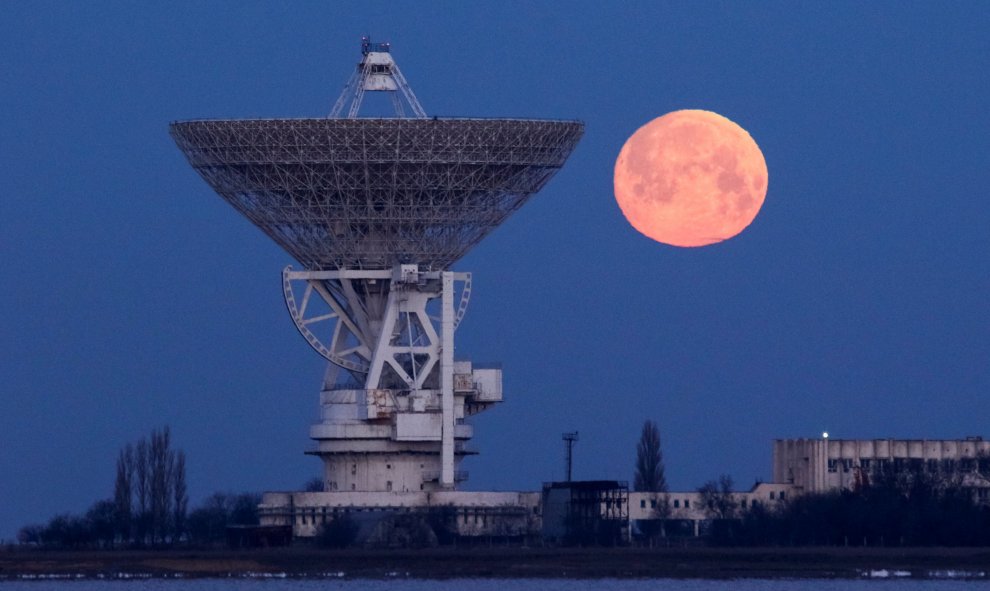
(857, 302)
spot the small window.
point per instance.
(677, 504)
(653, 503)
(832, 465)
(353, 487)
(742, 503)
(687, 504)
(388, 466)
(781, 495)
(642, 504)
(772, 495)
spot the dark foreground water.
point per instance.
(872, 581)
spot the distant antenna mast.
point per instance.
(376, 72)
(569, 440)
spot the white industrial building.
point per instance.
(826, 464)
(472, 514)
(503, 514)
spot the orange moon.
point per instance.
(690, 178)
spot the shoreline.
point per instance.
(502, 563)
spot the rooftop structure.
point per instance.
(376, 210)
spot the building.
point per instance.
(586, 512)
(468, 514)
(686, 513)
(822, 465)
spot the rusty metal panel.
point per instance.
(379, 404)
(463, 383)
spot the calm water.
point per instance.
(875, 584)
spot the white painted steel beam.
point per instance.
(447, 382)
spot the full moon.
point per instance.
(690, 178)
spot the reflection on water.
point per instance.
(880, 580)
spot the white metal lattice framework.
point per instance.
(374, 193)
(364, 304)
(377, 72)
(376, 211)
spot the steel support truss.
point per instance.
(377, 72)
(344, 314)
(377, 326)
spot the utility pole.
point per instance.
(569, 440)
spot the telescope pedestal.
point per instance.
(393, 419)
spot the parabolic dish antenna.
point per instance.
(374, 193)
(376, 210)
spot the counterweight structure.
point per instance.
(376, 210)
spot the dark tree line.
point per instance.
(913, 509)
(149, 507)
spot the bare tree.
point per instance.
(123, 490)
(180, 496)
(649, 476)
(150, 495)
(716, 497)
(162, 462)
(142, 490)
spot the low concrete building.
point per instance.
(825, 464)
(688, 510)
(473, 514)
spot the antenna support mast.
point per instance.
(377, 72)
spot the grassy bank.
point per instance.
(500, 562)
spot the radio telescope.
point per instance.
(376, 210)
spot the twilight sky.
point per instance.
(131, 296)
